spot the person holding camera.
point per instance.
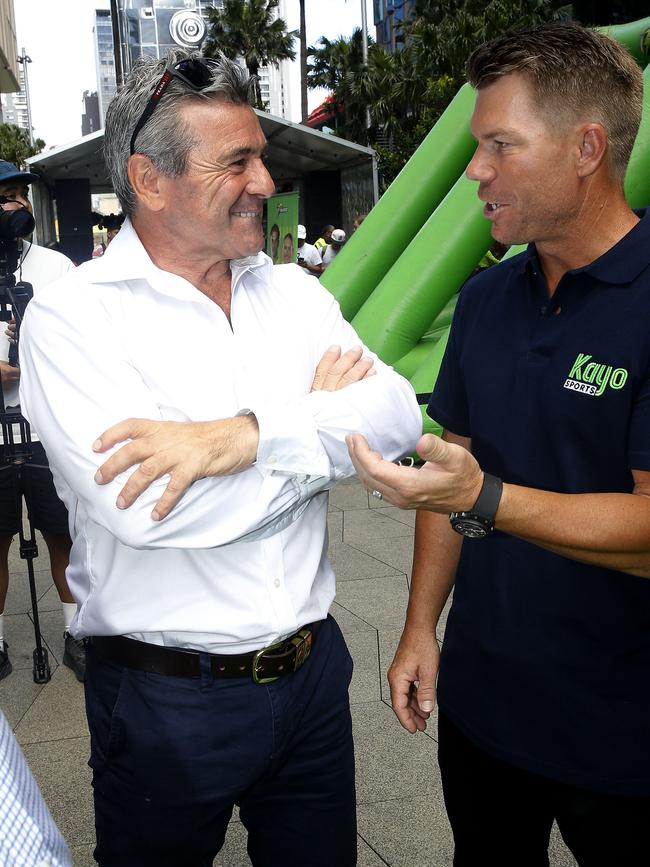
(37, 266)
(309, 258)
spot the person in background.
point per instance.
(324, 240)
(309, 258)
(37, 266)
(358, 220)
(334, 248)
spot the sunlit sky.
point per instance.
(57, 35)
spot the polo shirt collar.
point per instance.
(619, 265)
(126, 260)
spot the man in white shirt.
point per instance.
(308, 256)
(215, 676)
(334, 247)
(37, 266)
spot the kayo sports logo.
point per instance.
(589, 377)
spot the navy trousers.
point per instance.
(172, 756)
(502, 816)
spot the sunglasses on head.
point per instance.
(195, 72)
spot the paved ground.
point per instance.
(401, 815)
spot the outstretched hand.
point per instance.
(450, 480)
(187, 451)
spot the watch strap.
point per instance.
(488, 500)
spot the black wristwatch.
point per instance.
(479, 521)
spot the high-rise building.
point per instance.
(154, 27)
(8, 49)
(90, 118)
(389, 15)
(104, 60)
(14, 105)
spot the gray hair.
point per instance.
(575, 75)
(164, 138)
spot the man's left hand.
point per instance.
(449, 481)
(187, 451)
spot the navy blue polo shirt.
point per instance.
(546, 661)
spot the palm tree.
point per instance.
(250, 29)
(15, 146)
(303, 63)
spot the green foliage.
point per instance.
(406, 91)
(249, 29)
(15, 146)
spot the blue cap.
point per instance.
(9, 172)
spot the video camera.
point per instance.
(14, 224)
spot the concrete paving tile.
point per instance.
(379, 601)
(442, 620)
(82, 856)
(409, 832)
(50, 601)
(18, 597)
(372, 524)
(391, 763)
(350, 564)
(335, 526)
(349, 622)
(61, 770)
(365, 685)
(19, 632)
(367, 857)
(404, 516)
(559, 855)
(17, 694)
(395, 551)
(57, 713)
(52, 630)
(18, 565)
(349, 495)
(233, 853)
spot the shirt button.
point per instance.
(277, 582)
(272, 459)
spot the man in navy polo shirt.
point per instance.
(544, 395)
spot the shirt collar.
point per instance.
(126, 260)
(619, 265)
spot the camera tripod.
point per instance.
(17, 460)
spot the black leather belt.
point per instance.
(263, 666)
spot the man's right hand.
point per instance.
(412, 678)
(9, 375)
(335, 371)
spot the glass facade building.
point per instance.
(104, 60)
(389, 15)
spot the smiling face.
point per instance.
(214, 211)
(287, 248)
(526, 169)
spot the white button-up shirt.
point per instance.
(242, 560)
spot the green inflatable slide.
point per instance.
(398, 276)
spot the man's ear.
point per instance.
(592, 147)
(145, 180)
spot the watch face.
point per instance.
(470, 527)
